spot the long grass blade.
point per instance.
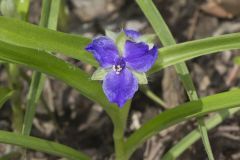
(37, 83)
(188, 50)
(41, 145)
(25, 34)
(50, 64)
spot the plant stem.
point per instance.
(119, 123)
(17, 115)
(118, 143)
(32, 100)
(152, 96)
(164, 34)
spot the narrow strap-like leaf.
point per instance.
(41, 145)
(180, 113)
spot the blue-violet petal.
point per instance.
(104, 50)
(132, 34)
(120, 87)
(138, 56)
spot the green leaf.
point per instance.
(68, 73)
(141, 77)
(41, 145)
(99, 74)
(180, 113)
(54, 14)
(25, 34)
(31, 36)
(5, 94)
(188, 50)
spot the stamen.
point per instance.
(119, 65)
(117, 69)
(114, 68)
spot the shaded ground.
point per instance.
(67, 117)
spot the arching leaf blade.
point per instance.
(24, 34)
(180, 113)
(64, 71)
(188, 50)
(41, 145)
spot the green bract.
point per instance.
(141, 77)
(99, 74)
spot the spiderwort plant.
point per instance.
(123, 58)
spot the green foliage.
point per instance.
(28, 35)
(41, 145)
(64, 71)
(49, 64)
(24, 34)
(49, 13)
(192, 49)
(182, 112)
(32, 46)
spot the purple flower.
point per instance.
(123, 61)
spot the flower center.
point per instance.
(119, 65)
